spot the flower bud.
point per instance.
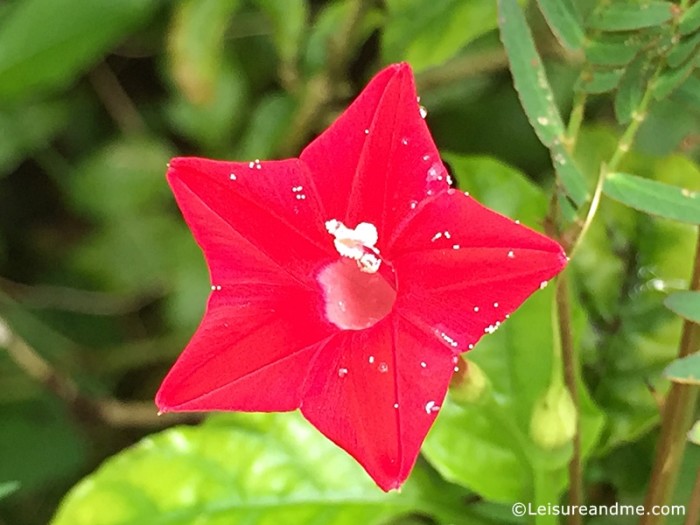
(469, 384)
(553, 422)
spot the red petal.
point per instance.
(356, 381)
(380, 153)
(463, 268)
(252, 352)
(253, 223)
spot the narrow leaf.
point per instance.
(600, 81)
(535, 93)
(613, 51)
(685, 370)
(631, 88)
(41, 48)
(683, 50)
(631, 16)
(672, 79)
(690, 20)
(528, 73)
(261, 469)
(685, 304)
(569, 174)
(565, 22)
(653, 197)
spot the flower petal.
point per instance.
(254, 221)
(376, 392)
(252, 352)
(463, 268)
(380, 153)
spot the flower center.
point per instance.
(356, 294)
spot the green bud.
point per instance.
(469, 383)
(553, 422)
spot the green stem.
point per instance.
(569, 361)
(692, 516)
(575, 120)
(677, 417)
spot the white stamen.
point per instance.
(358, 243)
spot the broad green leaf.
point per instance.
(254, 469)
(565, 21)
(42, 48)
(654, 197)
(685, 370)
(613, 50)
(535, 93)
(28, 127)
(38, 443)
(671, 79)
(289, 23)
(600, 80)
(630, 90)
(268, 125)
(685, 304)
(7, 488)
(694, 433)
(690, 20)
(427, 34)
(125, 177)
(503, 188)
(629, 16)
(684, 50)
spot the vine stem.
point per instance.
(677, 416)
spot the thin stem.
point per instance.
(569, 361)
(677, 417)
(116, 100)
(106, 410)
(575, 120)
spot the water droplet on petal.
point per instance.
(431, 407)
(423, 364)
(342, 372)
(511, 254)
(383, 368)
(404, 141)
(371, 359)
(543, 285)
(396, 405)
(232, 176)
(423, 112)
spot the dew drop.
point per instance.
(396, 405)
(232, 176)
(476, 308)
(431, 407)
(543, 120)
(404, 142)
(342, 372)
(543, 285)
(423, 112)
(495, 305)
(366, 131)
(383, 368)
(423, 364)
(371, 359)
(426, 157)
(511, 254)
(455, 246)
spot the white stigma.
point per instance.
(358, 243)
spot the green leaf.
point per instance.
(685, 370)
(569, 174)
(257, 469)
(565, 21)
(683, 50)
(653, 197)
(535, 93)
(689, 92)
(630, 90)
(685, 304)
(671, 79)
(629, 16)
(41, 48)
(694, 433)
(268, 125)
(613, 50)
(196, 46)
(528, 73)
(600, 81)
(289, 23)
(28, 127)
(8, 488)
(690, 20)
(427, 34)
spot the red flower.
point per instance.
(346, 282)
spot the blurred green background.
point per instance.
(101, 284)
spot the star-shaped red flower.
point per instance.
(346, 282)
